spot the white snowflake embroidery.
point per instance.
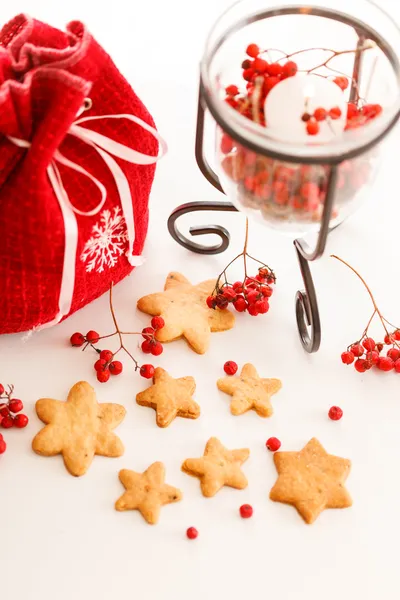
(108, 242)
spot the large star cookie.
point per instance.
(146, 492)
(185, 312)
(170, 398)
(311, 480)
(250, 391)
(218, 467)
(78, 428)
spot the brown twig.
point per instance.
(119, 332)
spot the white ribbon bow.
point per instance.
(105, 147)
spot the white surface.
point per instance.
(60, 537)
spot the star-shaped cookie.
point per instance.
(311, 480)
(218, 467)
(170, 398)
(185, 312)
(78, 428)
(250, 391)
(146, 492)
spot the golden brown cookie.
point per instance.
(218, 467)
(78, 428)
(185, 312)
(311, 480)
(250, 391)
(146, 492)
(170, 398)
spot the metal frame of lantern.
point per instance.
(306, 304)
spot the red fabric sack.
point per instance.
(73, 191)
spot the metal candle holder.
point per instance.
(306, 304)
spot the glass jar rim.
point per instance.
(254, 136)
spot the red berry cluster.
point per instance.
(320, 114)
(250, 295)
(280, 189)
(366, 354)
(106, 365)
(9, 407)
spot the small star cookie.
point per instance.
(78, 428)
(170, 398)
(218, 467)
(146, 492)
(250, 391)
(185, 312)
(311, 480)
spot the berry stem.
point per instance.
(119, 332)
(377, 311)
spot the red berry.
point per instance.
(211, 303)
(379, 347)
(1, 389)
(260, 65)
(361, 365)
(253, 50)
(240, 304)
(76, 339)
(262, 306)
(157, 322)
(312, 127)
(248, 74)
(246, 511)
(253, 310)
(226, 144)
(347, 358)
(221, 301)
(116, 366)
(393, 353)
(157, 349)
(357, 349)
(238, 287)
(230, 367)
(320, 114)
(250, 283)
(289, 69)
(246, 64)
(369, 344)
(7, 422)
(273, 444)
(147, 371)
(21, 421)
(352, 110)
(305, 117)
(106, 355)
(389, 339)
(385, 363)
(15, 406)
(100, 364)
(397, 365)
(266, 291)
(253, 296)
(3, 446)
(103, 376)
(232, 90)
(148, 333)
(192, 533)
(146, 346)
(335, 113)
(372, 357)
(395, 333)
(335, 413)
(92, 337)
(229, 293)
(269, 83)
(275, 69)
(342, 82)
(4, 412)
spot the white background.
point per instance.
(60, 537)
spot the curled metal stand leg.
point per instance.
(306, 304)
(201, 229)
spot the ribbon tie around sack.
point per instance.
(106, 148)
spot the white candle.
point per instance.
(292, 97)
